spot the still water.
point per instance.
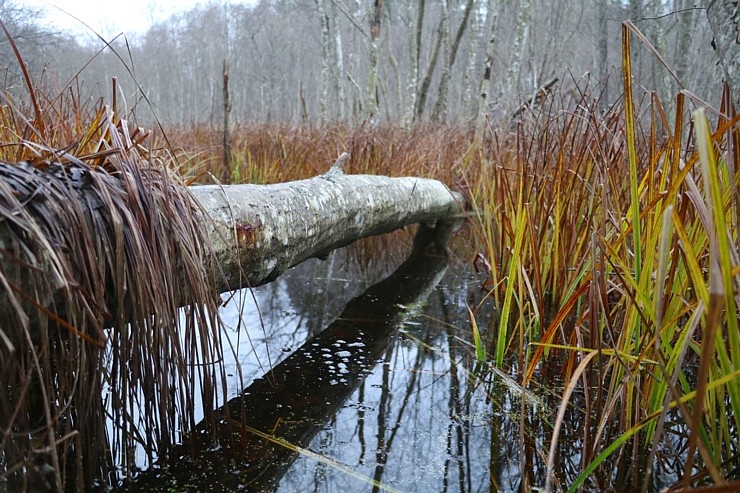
(357, 373)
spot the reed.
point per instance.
(612, 240)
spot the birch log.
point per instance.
(260, 231)
(96, 248)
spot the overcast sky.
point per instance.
(110, 18)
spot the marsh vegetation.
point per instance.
(586, 335)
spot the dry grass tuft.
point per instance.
(88, 213)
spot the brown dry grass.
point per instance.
(89, 213)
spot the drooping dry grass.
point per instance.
(99, 248)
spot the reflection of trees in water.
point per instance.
(419, 422)
(422, 421)
(319, 289)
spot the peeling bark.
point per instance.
(260, 231)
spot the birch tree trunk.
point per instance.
(226, 123)
(485, 84)
(414, 41)
(337, 72)
(325, 61)
(724, 20)
(441, 106)
(260, 231)
(661, 78)
(602, 45)
(476, 26)
(372, 82)
(521, 32)
(687, 30)
(427, 82)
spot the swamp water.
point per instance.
(358, 373)
(372, 386)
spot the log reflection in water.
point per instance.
(294, 400)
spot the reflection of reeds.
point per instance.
(87, 214)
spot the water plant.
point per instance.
(84, 383)
(615, 233)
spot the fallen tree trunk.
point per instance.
(94, 236)
(259, 231)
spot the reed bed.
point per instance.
(611, 243)
(90, 212)
(609, 235)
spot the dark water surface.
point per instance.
(360, 375)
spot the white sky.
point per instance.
(111, 17)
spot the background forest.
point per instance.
(313, 61)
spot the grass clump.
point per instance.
(610, 240)
(100, 246)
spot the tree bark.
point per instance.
(260, 231)
(486, 86)
(227, 127)
(724, 20)
(372, 83)
(521, 36)
(440, 107)
(427, 82)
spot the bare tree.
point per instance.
(22, 25)
(337, 68)
(427, 81)
(521, 32)
(724, 19)
(440, 107)
(372, 78)
(602, 44)
(324, 60)
(326, 55)
(414, 48)
(485, 84)
(471, 82)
